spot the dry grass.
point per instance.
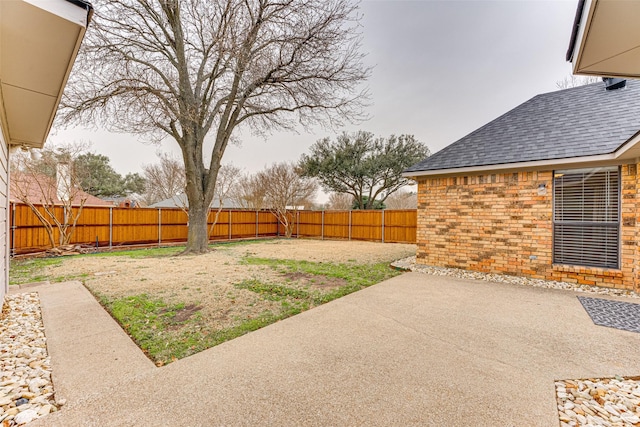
(231, 285)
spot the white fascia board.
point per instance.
(617, 157)
(64, 9)
(585, 22)
(630, 144)
(538, 164)
(571, 162)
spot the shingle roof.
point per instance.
(41, 189)
(582, 121)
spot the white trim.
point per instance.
(626, 146)
(64, 9)
(538, 164)
(585, 22)
(614, 158)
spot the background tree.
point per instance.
(248, 193)
(187, 69)
(575, 81)
(340, 201)
(227, 180)
(47, 181)
(97, 177)
(285, 190)
(365, 203)
(134, 183)
(367, 168)
(164, 179)
(402, 200)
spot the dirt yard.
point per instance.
(209, 282)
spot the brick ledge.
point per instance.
(592, 271)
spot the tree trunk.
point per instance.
(198, 237)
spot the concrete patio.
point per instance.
(414, 350)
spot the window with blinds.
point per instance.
(586, 217)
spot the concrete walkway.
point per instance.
(414, 350)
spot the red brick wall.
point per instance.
(502, 223)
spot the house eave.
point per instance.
(605, 39)
(627, 152)
(39, 42)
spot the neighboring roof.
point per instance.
(577, 122)
(181, 201)
(44, 188)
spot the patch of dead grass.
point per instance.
(204, 284)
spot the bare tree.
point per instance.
(227, 180)
(165, 179)
(47, 181)
(187, 69)
(248, 193)
(575, 81)
(402, 200)
(286, 191)
(340, 201)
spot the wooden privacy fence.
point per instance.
(112, 226)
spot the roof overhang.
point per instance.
(605, 39)
(629, 152)
(39, 41)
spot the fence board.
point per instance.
(153, 226)
(366, 225)
(243, 224)
(400, 226)
(336, 224)
(310, 224)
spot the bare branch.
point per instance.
(188, 69)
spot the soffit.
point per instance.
(608, 41)
(37, 49)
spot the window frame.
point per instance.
(605, 224)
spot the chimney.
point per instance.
(612, 83)
(63, 181)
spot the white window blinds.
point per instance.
(586, 217)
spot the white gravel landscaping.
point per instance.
(599, 402)
(409, 264)
(26, 390)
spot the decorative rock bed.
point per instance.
(599, 402)
(409, 264)
(26, 390)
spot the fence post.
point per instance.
(110, 227)
(159, 226)
(382, 225)
(12, 250)
(256, 223)
(229, 224)
(349, 225)
(297, 224)
(322, 228)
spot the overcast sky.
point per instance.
(442, 69)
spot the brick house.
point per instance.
(549, 190)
